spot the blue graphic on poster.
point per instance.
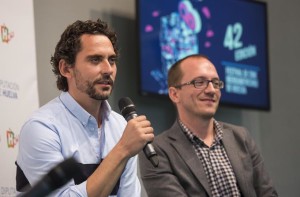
(236, 43)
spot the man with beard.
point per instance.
(80, 123)
(199, 156)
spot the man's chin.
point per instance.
(208, 114)
(101, 97)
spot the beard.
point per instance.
(92, 91)
(89, 87)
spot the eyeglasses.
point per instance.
(201, 83)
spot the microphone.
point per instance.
(57, 177)
(128, 110)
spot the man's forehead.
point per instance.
(198, 67)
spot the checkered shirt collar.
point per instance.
(193, 138)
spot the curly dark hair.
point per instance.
(69, 45)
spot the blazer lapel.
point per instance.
(233, 152)
(186, 150)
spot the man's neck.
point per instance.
(92, 106)
(202, 128)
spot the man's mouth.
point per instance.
(105, 82)
(208, 100)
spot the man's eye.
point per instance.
(216, 83)
(95, 60)
(112, 60)
(199, 83)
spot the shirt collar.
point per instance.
(193, 138)
(79, 112)
(218, 130)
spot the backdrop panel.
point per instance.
(18, 83)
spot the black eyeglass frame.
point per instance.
(217, 83)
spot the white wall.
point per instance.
(276, 132)
(280, 128)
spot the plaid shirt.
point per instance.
(215, 162)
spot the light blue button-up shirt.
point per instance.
(62, 129)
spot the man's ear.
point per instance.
(65, 69)
(173, 94)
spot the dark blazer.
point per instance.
(180, 172)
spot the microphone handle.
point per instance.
(130, 116)
(151, 154)
(148, 148)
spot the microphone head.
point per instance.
(126, 107)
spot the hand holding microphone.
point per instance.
(128, 110)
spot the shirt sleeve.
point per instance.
(129, 181)
(39, 152)
(130, 184)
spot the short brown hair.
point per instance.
(175, 74)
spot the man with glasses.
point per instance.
(198, 155)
